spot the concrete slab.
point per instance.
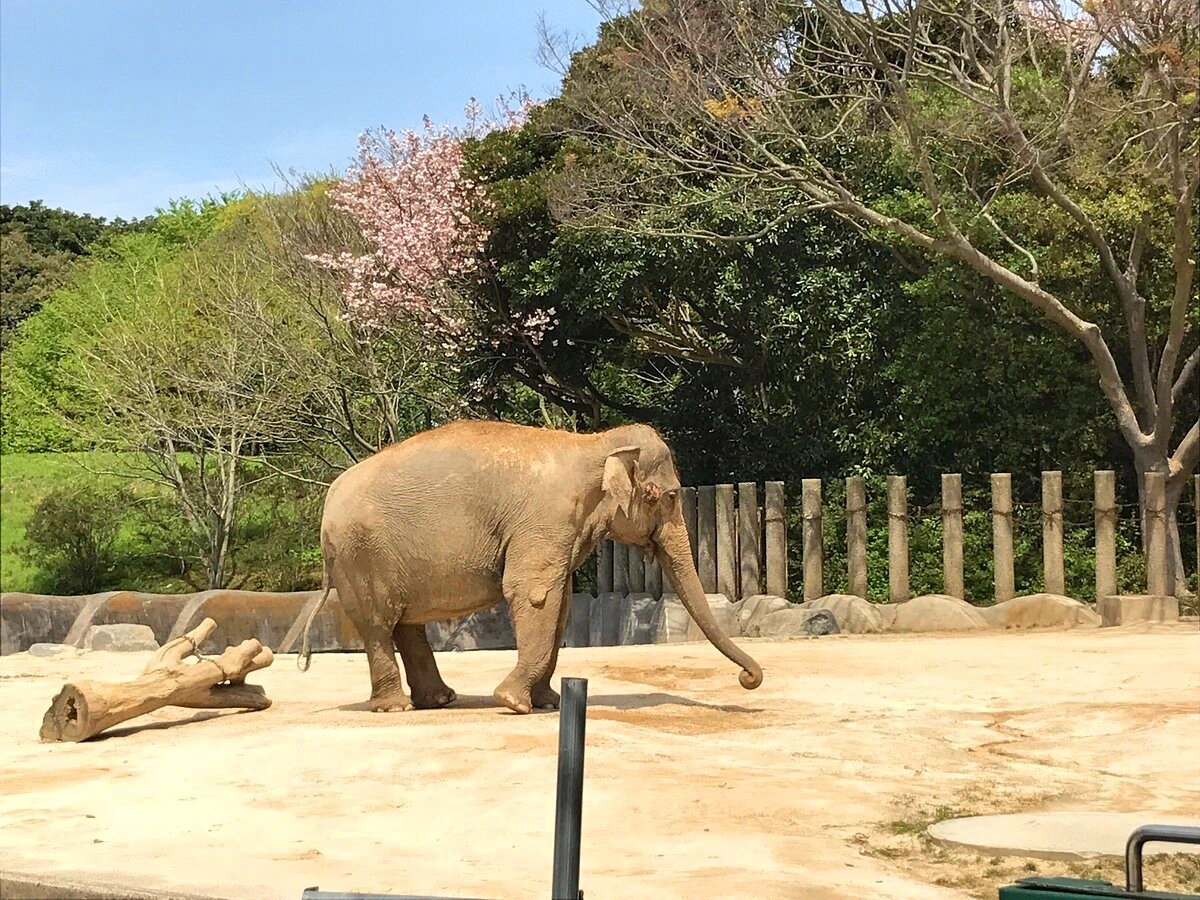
(1055, 835)
(1126, 608)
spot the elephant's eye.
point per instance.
(672, 495)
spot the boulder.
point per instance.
(1039, 611)
(937, 612)
(639, 613)
(751, 610)
(796, 621)
(854, 615)
(672, 622)
(821, 622)
(52, 650)
(120, 638)
(723, 611)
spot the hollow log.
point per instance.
(86, 708)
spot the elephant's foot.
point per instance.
(397, 701)
(514, 696)
(434, 699)
(544, 697)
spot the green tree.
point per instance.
(37, 246)
(989, 143)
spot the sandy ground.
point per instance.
(694, 787)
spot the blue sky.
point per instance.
(113, 108)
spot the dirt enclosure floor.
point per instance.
(819, 784)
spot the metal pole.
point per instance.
(1174, 834)
(568, 810)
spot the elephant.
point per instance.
(474, 513)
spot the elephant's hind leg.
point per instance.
(424, 679)
(355, 585)
(387, 691)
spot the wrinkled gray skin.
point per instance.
(471, 514)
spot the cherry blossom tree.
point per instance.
(424, 219)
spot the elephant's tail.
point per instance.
(305, 655)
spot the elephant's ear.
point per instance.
(618, 476)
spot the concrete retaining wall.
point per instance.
(610, 619)
(275, 619)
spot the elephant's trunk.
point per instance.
(675, 555)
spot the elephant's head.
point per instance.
(643, 507)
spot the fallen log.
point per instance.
(84, 709)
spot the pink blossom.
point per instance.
(419, 214)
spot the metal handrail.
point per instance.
(1174, 834)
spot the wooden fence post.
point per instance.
(775, 516)
(604, 568)
(897, 538)
(1002, 535)
(952, 536)
(687, 498)
(727, 556)
(706, 537)
(856, 534)
(1156, 535)
(1196, 516)
(636, 562)
(1106, 533)
(620, 568)
(749, 540)
(1052, 533)
(814, 560)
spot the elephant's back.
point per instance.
(425, 500)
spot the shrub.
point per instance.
(72, 537)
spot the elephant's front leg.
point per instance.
(424, 679)
(536, 628)
(543, 695)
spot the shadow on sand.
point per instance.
(610, 701)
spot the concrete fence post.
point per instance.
(1157, 579)
(706, 537)
(775, 525)
(727, 556)
(1106, 533)
(856, 534)
(620, 568)
(604, 568)
(636, 561)
(653, 577)
(749, 540)
(687, 498)
(1052, 533)
(897, 486)
(952, 535)
(814, 558)
(1002, 535)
